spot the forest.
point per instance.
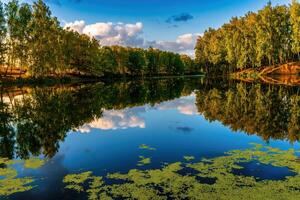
(268, 37)
(34, 44)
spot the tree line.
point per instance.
(33, 42)
(268, 37)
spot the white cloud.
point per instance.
(184, 44)
(117, 119)
(109, 33)
(76, 26)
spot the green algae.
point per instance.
(188, 158)
(9, 182)
(146, 147)
(34, 163)
(74, 181)
(168, 183)
(144, 161)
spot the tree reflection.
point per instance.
(36, 120)
(33, 121)
(272, 112)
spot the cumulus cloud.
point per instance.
(117, 119)
(183, 17)
(184, 44)
(77, 25)
(109, 33)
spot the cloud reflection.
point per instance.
(117, 119)
(134, 117)
(185, 105)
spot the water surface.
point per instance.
(143, 124)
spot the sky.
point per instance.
(170, 25)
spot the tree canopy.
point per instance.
(269, 37)
(32, 42)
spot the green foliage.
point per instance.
(295, 22)
(33, 43)
(2, 35)
(168, 183)
(269, 37)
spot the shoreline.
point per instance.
(8, 81)
(285, 74)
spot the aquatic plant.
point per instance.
(144, 161)
(168, 182)
(146, 147)
(73, 181)
(189, 158)
(9, 183)
(34, 163)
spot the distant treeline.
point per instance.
(32, 41)
(269, 37)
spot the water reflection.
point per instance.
(33, 121)
(117, 119)
(272, 112)
(185, 105)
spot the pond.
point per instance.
(163, 138)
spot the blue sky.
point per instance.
(162, 22)
(154, 13)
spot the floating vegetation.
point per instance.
(168, 183)
(146, 147)
(34, 163)
(144, 161)
(74, 181)
(9, 183)
(189, 158)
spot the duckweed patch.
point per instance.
(146, 147)
(9, 183)
(168, 183)
(34, 163)
(74, 181)
(189, 158)
(144, 161)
